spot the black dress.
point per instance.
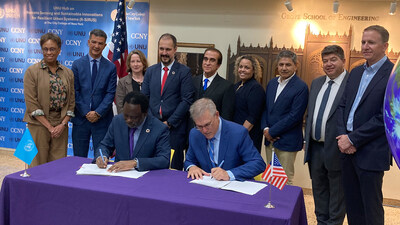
(249, 105)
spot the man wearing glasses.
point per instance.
(219, 148)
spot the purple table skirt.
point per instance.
(55, 195)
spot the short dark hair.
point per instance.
(212, 49)
(50, 36)
(169, 36)
(333, 49)
(98, 33)
(381, 30)
(137, 98)
(287, 54)
(142, 58)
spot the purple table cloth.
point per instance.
(55, 195)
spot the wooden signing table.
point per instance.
(54, 194)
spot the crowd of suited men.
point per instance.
(221, 125)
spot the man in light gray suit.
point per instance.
(321, 149)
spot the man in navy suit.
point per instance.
(321, 150)
(362, 139)
(170, 90)
(211, 85)
(95, 83)
(140, 140)
(286, 102)
(220, 148)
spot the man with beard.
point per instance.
(170, 90)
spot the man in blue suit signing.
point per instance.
(170, 90)
(286, 102)
(220, 148)
(140, 140)
(95, 84)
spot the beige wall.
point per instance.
(256, 21)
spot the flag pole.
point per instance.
(269, 205)
(25, 174)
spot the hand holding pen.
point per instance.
(218, 173)
(101, 161)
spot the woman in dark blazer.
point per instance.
(250, 97)
(137, 65)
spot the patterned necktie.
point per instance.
(205, 84)
(131, 141)
(211, 151)
(94, 71)
(162, 84)
(321, 111)
(164, 78)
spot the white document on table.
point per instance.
(245, 187)
(93, 169)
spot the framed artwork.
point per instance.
(191, 55)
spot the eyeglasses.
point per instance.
(52, 50)
(206, 126)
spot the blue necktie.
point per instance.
(211, 150)
(94, 71)
(321, 111)
(205, 84)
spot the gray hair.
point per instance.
(287, 54)
(200, 106)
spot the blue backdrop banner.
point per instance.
(23, 22)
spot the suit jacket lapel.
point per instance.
(377, 77)
(272, 91)
(223, 143)
(99, 77)
(314, 95)
(213, 86)
(171, 76)
(285, 90)
(338, 95)
(144, 133)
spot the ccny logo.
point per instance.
(2, 13)
(29, 146)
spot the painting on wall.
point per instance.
(191, 55)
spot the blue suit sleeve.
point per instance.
(253, 162)
(110, 92)
(187, 94)
(296, 114)
(79, 103)
(160, 160)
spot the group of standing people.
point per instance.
(345, 144)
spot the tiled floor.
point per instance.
(10, 164)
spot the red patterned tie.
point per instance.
(162, 84)
(164, 78)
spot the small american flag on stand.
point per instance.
(274, 174)
(119, 46)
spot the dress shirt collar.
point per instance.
(284, 82)
(210, 79)
(338, 80)
(217, 135)
(375, 67)
(169, 66)
(91, 58)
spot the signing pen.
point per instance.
(102, 157)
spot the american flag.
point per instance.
(119, 46)
(274, 174)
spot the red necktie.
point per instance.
(164, 78)
(162, 84)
